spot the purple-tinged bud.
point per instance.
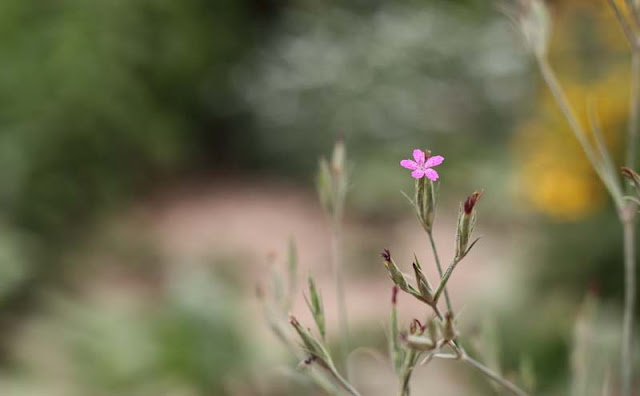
(470, 202)
(466, 223)
(394, 272)
(386, 255)
(416, 327)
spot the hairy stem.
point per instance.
(336, 261)
(437, 258)
(492, 375)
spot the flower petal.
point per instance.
(409, 164)
(418, 173)
(418, 155)
(431, 174)
(434, 161)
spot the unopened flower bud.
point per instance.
(394, 272)
(466, 223)
(338, 158)
(449, 332)
(331, 180)
(423, 285)
(313, 346)
(425, 201)
(470, 202)
(316, 307)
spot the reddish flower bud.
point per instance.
(386, 255)
(470, 203)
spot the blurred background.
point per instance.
(157, 156)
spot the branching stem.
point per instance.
(437, 258)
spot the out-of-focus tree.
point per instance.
(98, 101)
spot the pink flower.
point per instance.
(422, 166)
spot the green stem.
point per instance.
(629, 229)
(492, 375)
(437, 258)
(563, 103)
(626, 210)
(634, 111)
(336, 260)
(445, 278)
(405, 390)
(344, 383)
(629, 226)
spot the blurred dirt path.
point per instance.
(244, 223)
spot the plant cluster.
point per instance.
(437, 336)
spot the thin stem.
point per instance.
(626, 210)
(405, 390)
(344, 383)
(435, 255)
(336, 260)
(563, 103)
(624, 24)
(490, 374)
(445, 278)
(634, 111)
(561, 98)
(633, 10)
(629, 302)
(629, 230)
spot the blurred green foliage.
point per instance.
(99, 102)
